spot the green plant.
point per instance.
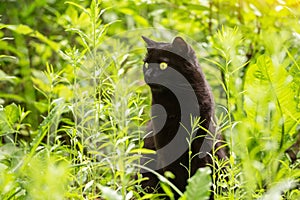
(73, 108)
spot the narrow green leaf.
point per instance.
(142, 151)
(196, 7)
(78, 6)
(12, 96)
(5, 57)
(26, 30)
(4, 76)
(166, 188)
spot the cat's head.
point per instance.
(163, 60)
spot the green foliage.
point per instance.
(12, 117)
(110, 194)
(38, 177)
(45, 177)
(73, 106)
(199, 185)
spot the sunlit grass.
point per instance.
(74, 107)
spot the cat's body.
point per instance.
(179, 86)
(180, 89)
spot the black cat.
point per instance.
(179, 92)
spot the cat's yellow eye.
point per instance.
(163, 65)
(146, 65)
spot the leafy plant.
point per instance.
(199, 185)
(73, 106)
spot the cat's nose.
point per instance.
(148, 75)
(152, 73)
(149, 72)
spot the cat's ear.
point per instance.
(180, 45)
(149, 42)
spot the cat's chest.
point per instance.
(165, 121)
(165, 116)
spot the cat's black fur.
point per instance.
(180, 57)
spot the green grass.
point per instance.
(74, 107)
